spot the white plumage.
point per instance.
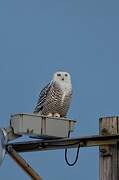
(54, 99)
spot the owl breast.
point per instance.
(58, 100)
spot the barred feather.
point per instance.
(55, 98)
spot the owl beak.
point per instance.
(63, 79)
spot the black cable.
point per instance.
(77, 154)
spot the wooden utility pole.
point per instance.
(109, 154)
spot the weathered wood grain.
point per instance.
(109, 154)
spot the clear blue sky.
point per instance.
(38, 38)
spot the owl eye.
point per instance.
(58, 74)
(66, 75)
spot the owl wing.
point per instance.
(42, 97)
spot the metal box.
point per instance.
(41, 126)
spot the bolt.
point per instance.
(9, 148)
(103, 151)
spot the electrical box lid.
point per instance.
(41, 126)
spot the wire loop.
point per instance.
(77, 154)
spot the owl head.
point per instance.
(62, 77)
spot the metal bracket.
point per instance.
(105, 150)
(10, 134)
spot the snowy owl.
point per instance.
(54, 99)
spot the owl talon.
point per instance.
(57, 115)
(50, 115)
